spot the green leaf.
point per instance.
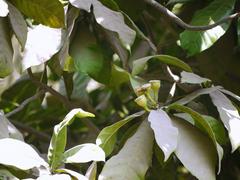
(18, 24)
(107, 137)
(195, 151)
(42, 43)
(91, 61)
(108, 19)
(84, 153)
(6, 52)
(19, 155)
(49, 13)
(118, 76)
(59, 137)
(195, 94)
(195, 42)
(166, 135)
(191, 78)
(229, 116)
(134, 159)
(140, 64)
(4, 174)
(3, 8)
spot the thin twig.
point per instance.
(62, 98)
(24, 103)
(184, 25)
(30, 130)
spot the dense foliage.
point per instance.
(119, 89)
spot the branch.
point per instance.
(62, 98)
(30, 130)
(24, 103)
(184, 25)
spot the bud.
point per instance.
(142, 102)
(155, 85)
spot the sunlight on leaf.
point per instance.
(134, 159)
(19, 154)
(42, 43)
(229, 116)
(191, 78)
(3, 8)
(84, 153)
(165, 133)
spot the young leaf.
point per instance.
(6, 52)
(3, 8)
(49, 13)
(195, 151)
(42, 43)
(109, 19)
(165, 133)
(195, 42)
(107, 137)
(84, 153)
(195, 94)
(133, 159)
(19, 155)
(18, 24)
(59, 138)
(229, 116)
(191, 78)
(139, 64)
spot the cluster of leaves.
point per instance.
(113, 58)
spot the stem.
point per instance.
(184, 25)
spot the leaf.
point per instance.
(109, 19)
(55, 177)
(230, 94)
(118, 76)
(6, 52)
(107, 137)
(195, 42)
(229, 116)
(72, 173)
(59, 137)
(165, 133)
(192, 78)
(195, 94)
(49, 13)
(8, 130)
(42, 43)
(215, 131)
(18, 24)
(3, 8)
(134, 159)
(84, 153)
(19, 155)
(4, 174)
(140, 64)
(91, 61)
(195, 151)
(92, 171)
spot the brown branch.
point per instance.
(24, 103)
(30, 130)
(184, 25)
(62, 98)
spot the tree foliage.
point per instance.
(116, 89)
